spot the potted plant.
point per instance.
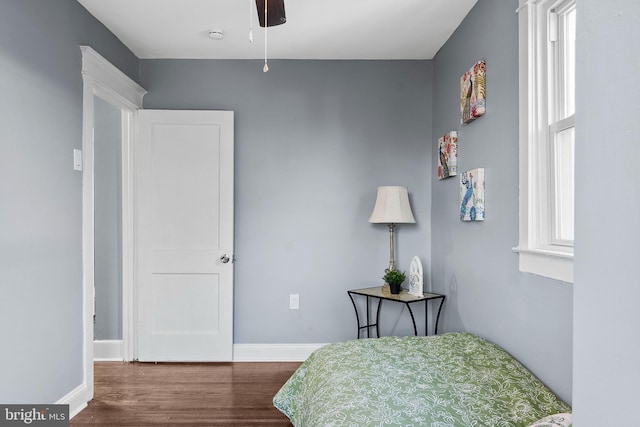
(394, 278)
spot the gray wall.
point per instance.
(40, 194)
(606, 318)
(314, 139)
(473, 264)
(338, 126)
(108, 220)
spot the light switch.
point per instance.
(77, 160)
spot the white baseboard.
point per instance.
(76, 399)
(273, 352)
(107, 350)
(111, 350)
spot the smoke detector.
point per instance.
(216, 34)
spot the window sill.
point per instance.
(554, 264)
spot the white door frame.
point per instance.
(102, 79)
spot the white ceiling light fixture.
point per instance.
(216, 34)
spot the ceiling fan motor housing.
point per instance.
(275, 12)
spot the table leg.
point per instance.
(356, 310)
(438, 316)
(368, 321)
(426, 318)
(378, 318)
(415, 330)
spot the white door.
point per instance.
(184, 202)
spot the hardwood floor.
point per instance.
(186, 394)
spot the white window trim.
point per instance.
(535, 254)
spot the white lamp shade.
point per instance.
(392, 206)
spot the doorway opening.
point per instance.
(107, 171)
(103, 84)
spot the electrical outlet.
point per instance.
(294, 301)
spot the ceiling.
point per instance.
(315, 29)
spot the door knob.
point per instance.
(225, 258)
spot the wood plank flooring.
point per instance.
(186, 394)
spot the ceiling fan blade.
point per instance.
(275, 12)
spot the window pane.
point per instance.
(564, 185)
(569, 41)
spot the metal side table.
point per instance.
(403, 297)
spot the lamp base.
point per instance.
(392, 260)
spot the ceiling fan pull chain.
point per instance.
(250, 22)
(266, 26)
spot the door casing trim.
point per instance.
(101, 78)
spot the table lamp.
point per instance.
(392, 207)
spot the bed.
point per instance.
(455, 379)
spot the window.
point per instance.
(547, 32)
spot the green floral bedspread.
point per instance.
(455, 379)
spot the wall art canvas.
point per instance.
(448, 155)
(472, 195)
(473, 92)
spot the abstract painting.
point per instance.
(473, 92)
(448, 155)
(472, 195)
